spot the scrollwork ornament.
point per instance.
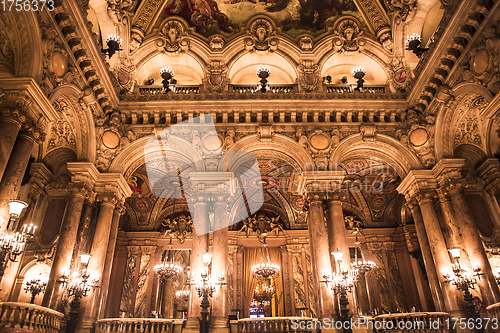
(347, 35)
(179, 226)
(217, 76)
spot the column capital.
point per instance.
(83, 189)
(489, 171)
(320, 182)
(417, 183)
(112, 188)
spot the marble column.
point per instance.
(14, 173)
(449, 224)
(337, 237)
(318, 239)
(10, 125)
(167, 303)
(439, 250)
(220, 248)
(108, 264)
(474, 246)
(98, 258)
(65, 244)
(199, 246)
(430, 268)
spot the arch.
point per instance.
(32, 270)
(469, 100)
(473, 155)
(187, 69)
(281, 144)
(56, 160)
(339, 65)
(133, 155)
(79, 114)
(385, 148)
(244, 69)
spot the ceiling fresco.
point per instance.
(228, 16)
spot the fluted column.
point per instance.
(430, 268)
(474, 246)
(199, 246)
(66, 243)
(108, 264)
(438, 248)
(220, 248)
(10, 123)
(318, 238)
(14, 173)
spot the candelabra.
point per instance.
(463, 280)
(358, 73)
(263, 73)
(167, 74)
(114, 44)
(78, 286)
(168, 267)
(341, 283)
(206, 289)
(412, 43)
(35, 287)
(13, 244)
(265, 268)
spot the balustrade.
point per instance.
(272, 325)
(24, 316)
(344, 89)
(178, 90)
(438, 322)
(275, 89)
(139, 325)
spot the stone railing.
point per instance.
(344, 89)
(15, 317)
(272, 325)
(494, 311)
(134, 325)
(149, 90)
(275, 89)
(413, 322)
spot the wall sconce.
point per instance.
(114, 44)
(167, 74)
(13, 244)
(463, 280)
(78, 286)
(412, 43)
(15, 209)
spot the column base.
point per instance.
(218, 325)
(192, 326)
(84, 326)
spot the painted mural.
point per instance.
(293, 16)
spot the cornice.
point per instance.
(29, 87)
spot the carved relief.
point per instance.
(261, 37)
(309, 77)
(347, 35)
(173, 41)
(61, 136)
(217, 76)
(7, 48)
(468, 131)
(402, 10)
(120, 10)
(261, 225)
(178, 227)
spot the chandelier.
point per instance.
(263, 292)
(168, 268)
(13, 244)
(182, 295)
(265, 268)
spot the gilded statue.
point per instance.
(178, 227)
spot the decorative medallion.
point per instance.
(110, 139)
(480, 61)
(212, 142)
(319, 141)
(418, 137)
(59, 64)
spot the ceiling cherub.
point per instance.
(178, 227)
